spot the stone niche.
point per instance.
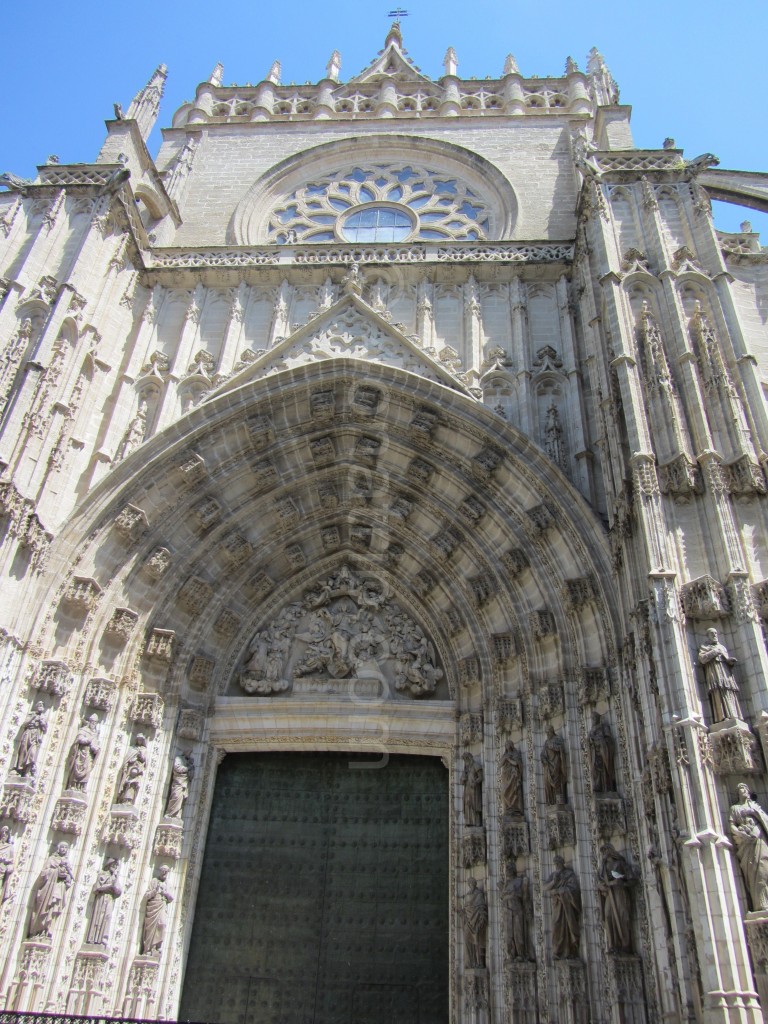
(345, 636)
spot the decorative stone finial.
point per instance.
(394, 36)
(334, 66)
(746, 227)
(217, 74)
(570, 66)
(273, 75)
(146, 103)
(450, 61)
(669, 143)
(510, 65)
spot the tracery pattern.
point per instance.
(438, 206)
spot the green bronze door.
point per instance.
(324, 893)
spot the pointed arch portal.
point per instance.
(341, 557)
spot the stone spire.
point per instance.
(450, 61)
(510, 65)
(603, 86)
(146, 103)
(217, 74)
(334, 66)
(274, 73)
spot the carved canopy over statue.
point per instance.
(346, 628)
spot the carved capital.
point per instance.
(515, 837)
(509, 713)
(550, 700)
(611, 816)
(52, 676)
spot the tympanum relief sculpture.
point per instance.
(345, 635)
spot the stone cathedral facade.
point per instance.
(420, 425)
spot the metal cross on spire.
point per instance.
(398, 13)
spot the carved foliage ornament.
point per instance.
(344, 635)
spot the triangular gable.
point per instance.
(350, 328)
(392, 62)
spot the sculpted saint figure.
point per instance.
(50, 893)
(512, 780)
(106, 890)
(515, 897)
(614, 880)
(155, 913)
(83, 754)
(563, 885)
(6, 862)
(30, 738)
(131, 773)
(722, 687)
(749, 831)
(472, 780)
(475, 912)
(181, 774)
(553, 758)
(603, 750)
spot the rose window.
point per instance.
(381, 203)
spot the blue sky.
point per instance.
(691, 71)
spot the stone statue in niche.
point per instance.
(614, 881)
(84, 752)
(555, 763)
(749, 830)
(6, 862)
(602, 747)
(722, 687)
(563, 887)
(30, 738)
(472, 781)
(106, 890)
(345, 631)
(181, 775)
(132, 772)
(511, 770)
(155, 913)
(516, 900)
(475, 915)
(50, 893)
